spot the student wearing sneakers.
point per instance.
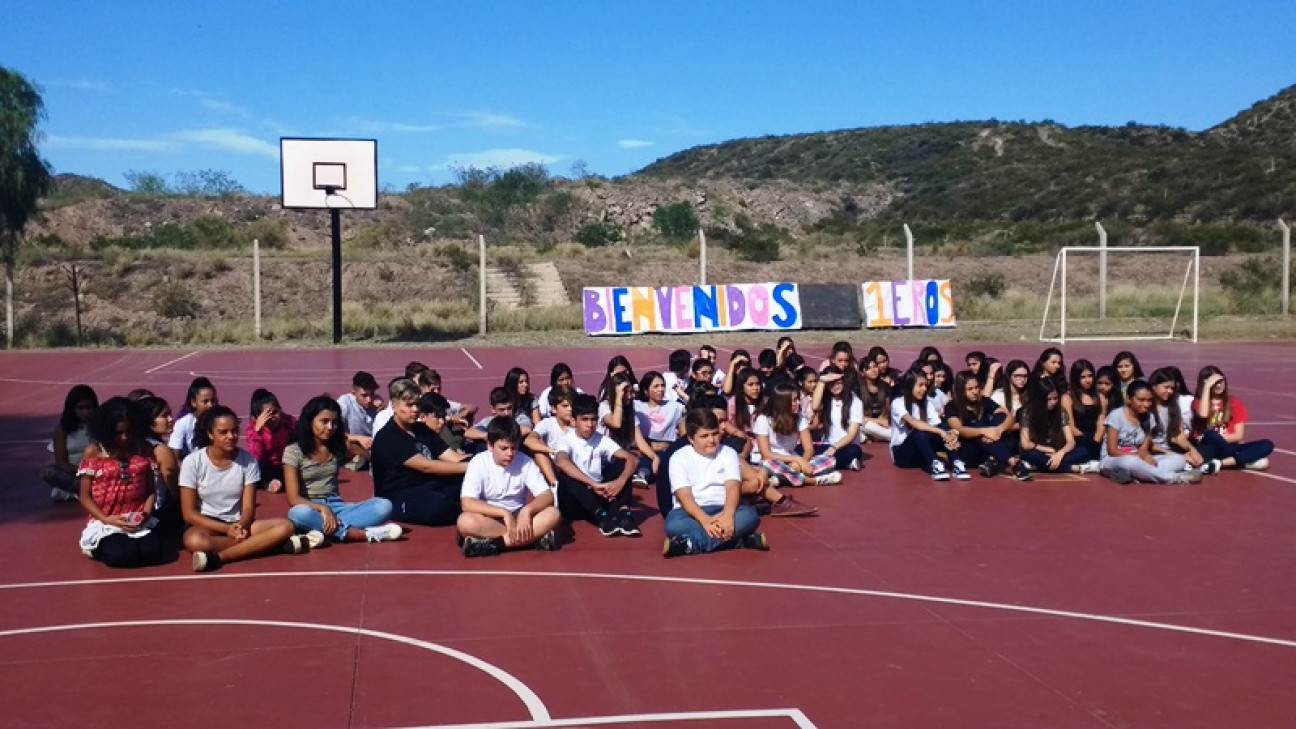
(412, 468)
(916, 433)
(1219, 422)
(1047, 442)
(1128, 456)
(756, 485)
(980, 424)
(705, 477)
(71, 436)
(310, 469)
(218, 485)
(358, 409)
(505, 499)
(1170, 429)
(593, 473)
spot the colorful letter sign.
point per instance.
(681, 309)
(928, 303)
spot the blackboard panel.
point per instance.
(830, 306)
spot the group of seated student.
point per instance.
(721, 448)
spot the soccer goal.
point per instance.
(1123, 293)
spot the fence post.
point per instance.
(702, 256)
(909, 244)
(1286, 264)
(1102, 270)
(481, 290)
(256, 287)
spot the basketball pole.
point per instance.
(336, 215)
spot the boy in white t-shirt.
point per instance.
(506, 501)
(705, 478)
(359, 408)
(593, 473)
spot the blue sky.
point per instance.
(181, 87)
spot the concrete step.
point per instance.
(542, 287)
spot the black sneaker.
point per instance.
(607, 524)
(549, 542)
(677, 547)
(755, 540)
(990, 468)
(625, 525)
(1021, 472)
(481, 547)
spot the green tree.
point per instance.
(24, 175)
(676, 221)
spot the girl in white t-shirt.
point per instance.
(71, 436)
(200, 398)
(660, 420)
(917, 435)
(750, 391)
(842, 414)
(786, 448)
(617, 421)
(705, 482)
(218, 486)
(559, 376)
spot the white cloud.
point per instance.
(500, 158)
(493, 120)
(85, 84)
(231, 140)
(376, 126)
(633, 143)
(111, 144)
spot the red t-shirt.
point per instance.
(1216, 421)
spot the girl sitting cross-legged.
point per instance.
(1219, 422)
(1128, 456)
(218, 489)
(118, 490)
(310, 469)
(785, 446)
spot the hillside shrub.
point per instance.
(676, 221)
(988, 285)
(598, 233)
(174, 300)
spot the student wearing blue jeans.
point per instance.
(310, 466)
(705, 481)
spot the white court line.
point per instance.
(168, 364)
(472, 358)
(796, 715)
(536, 707)
(1270, 475)
(1281, 450)
(827, 589)
(1271, 422)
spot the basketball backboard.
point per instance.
(329, 173)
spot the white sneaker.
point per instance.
(1260, 465)
(315, 538)
(828, 479)
(960, 471)
(938, 472)
(1089, 467)
(384, 533)
(854, 465)
(1188, 477)
(1211, 467)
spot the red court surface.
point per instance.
(1067, 602)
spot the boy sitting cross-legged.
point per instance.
(593, 472)
(506, 501)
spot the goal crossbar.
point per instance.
(1192, 271)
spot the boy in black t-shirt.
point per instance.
(412, 467)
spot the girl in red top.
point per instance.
(268, 433)
(1219, 423)
(117, 488)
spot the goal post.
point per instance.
(1145, 294)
